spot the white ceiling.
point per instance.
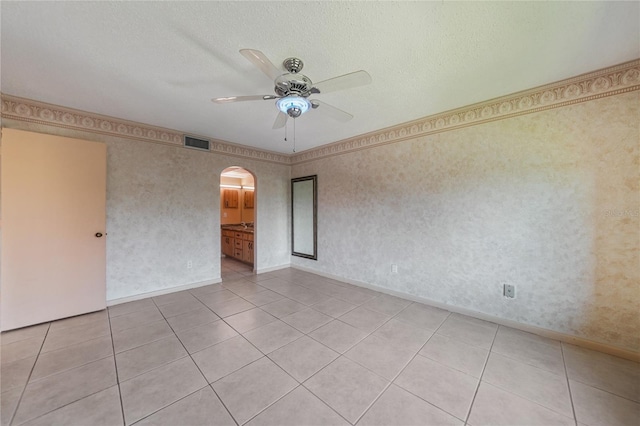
(160, 63)
(236, 172)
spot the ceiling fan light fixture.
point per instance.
(293, 106)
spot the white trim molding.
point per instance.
(273, 268)
(113, 302)
(598, 84)
(32, 111)
(609, 81)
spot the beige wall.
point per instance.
(163, 211)
(548, 202)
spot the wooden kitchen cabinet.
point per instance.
(228, 243)
(230, 198)
(238, 244)
(247, 251)
(248, 199)
(237, 253)
(247, 248)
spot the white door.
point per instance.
(53, 226)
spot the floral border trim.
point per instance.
(610, 81)
(22, 109)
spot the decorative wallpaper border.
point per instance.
(22, 109)
(606, 82)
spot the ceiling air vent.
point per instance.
(202, 144)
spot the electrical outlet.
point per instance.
(394, 268)
(509, 291)
(189, 264)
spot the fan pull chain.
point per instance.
(294, 135)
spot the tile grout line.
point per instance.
(566, 375)
(211, 346)
(75, 344)
(234, 371)
(480, 379)
(188, 355)
(484, 367)
(508, 390)
(340, 355)
(143, 344)
(242, 334)
(391, 382)
(350, 347)
(210, 385)
(320, 399)
(274, 402)
(607, 391)
(594, 386)
(65, 371)
(15, 411)
(48, 331)
(194, 363)
(162, 408)
(301, 384)
(115, 364)
(325, 367)
(521, 361)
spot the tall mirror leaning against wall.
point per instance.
(304, 210)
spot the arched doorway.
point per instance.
(237, 221)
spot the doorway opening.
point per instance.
(237, 222)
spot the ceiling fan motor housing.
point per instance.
(293, 84)
(292, 88)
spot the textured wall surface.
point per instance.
(548, 202)
(161, 213)
(163, 210)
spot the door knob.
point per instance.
(98, 234)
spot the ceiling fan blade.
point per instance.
(346, 81)
(243, 98)
(331, 111)
(259, 59)
(281, 120)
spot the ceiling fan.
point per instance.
(293, 89)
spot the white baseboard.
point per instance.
(551, 334)
(183, 287)
(163, 291)
(273, 268)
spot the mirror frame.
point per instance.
(314, 179)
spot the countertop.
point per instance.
(237, 228)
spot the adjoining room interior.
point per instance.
(401, 213)
(237, 215)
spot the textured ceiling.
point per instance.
(160, 63)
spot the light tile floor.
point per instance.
(293, 348)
